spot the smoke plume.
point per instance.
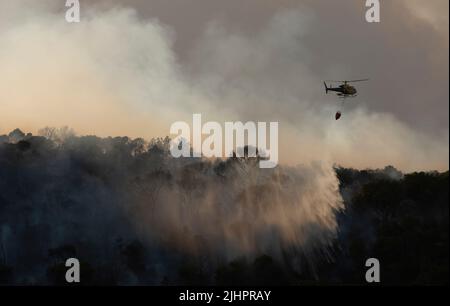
(117, 73)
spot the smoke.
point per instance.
(239, 210)
(275, 72)
(112, 74)
(117, 74)
(91, 193)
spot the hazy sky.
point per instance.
(133, 67)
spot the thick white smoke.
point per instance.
(236, 209)
(116, 74)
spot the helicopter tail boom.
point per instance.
(326, 88)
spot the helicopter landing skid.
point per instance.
(345, 96)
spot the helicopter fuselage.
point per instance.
(344, 89)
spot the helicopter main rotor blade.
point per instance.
(353, 81)
(344, 81)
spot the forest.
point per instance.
(134, 215)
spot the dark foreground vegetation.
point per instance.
(66, 189)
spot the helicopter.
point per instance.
(343, 91)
